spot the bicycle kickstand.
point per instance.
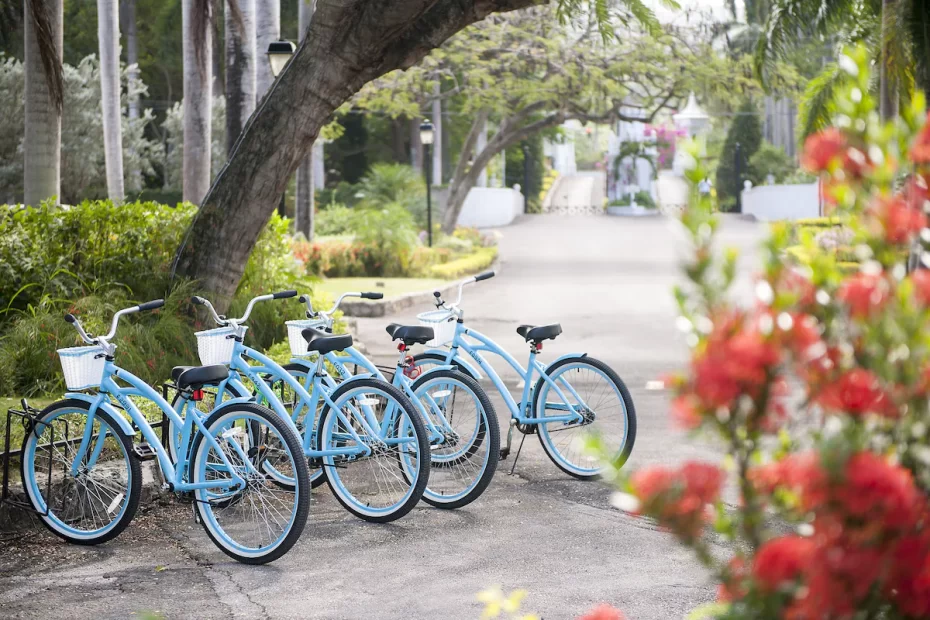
(505, 452)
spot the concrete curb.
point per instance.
(392, 305)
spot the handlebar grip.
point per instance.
(487, 275)
(372, 295)
(198, 301)
(284, 294)
(70, 318)
(437, 294)
(151, 305)
(303, 299)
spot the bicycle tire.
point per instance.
(31, 485)
(548, 444)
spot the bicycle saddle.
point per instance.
(531, 333)
(410, 334)
(323, 342)
(198, 376)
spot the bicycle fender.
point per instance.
(234, 401)
(565, 357)
(300, 361)
(366, 375)
(458, 359)
(435, 368)
(120, 420)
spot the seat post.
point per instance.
(318, 371)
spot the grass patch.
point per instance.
(391, 287)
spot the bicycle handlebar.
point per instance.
(149, 305)
(487, 275)
(311, 313)
(221, 320)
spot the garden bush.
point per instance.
(818, 392)
(95, 258)
(746, 130)
(472, 263)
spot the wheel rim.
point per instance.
(94, 502)
(458, 462)
(381, 482)
(600, 396)
(255, 520)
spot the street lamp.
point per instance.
(426, 139)
(279, 52)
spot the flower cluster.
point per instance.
(850, 468)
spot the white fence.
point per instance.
(782, 202)
(488, 207)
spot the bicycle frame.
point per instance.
(173, 475)
(519, 412)
(401, 381)
(309, 399)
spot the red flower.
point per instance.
(920, 150)
(678, 498)
(876, 498)
(780, 561)
(901, 222)
(921, 281)
(909, 586)
(603, 612)
(735, 361)
(731, 587)
(864, 293)
(823, 149)
(685, 412)
(794, 282)
(857, 393)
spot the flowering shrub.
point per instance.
(848, 468)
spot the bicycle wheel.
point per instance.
(378, 477)
(596, 392)
(463, 462)
(261, 522)
(203, 407)
(98, 502)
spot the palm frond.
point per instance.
(917, 25)
(817, 107)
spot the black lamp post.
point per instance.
(426, 139)
(738, 165)
(526, 175)
(279, 53)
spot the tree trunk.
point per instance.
(128, 26)
(350, 43)
(42, 143)
(480, 145)
(318, 155)
(399, 135)
(267, 29)
(303, 207)
(108, 40)
(887, 87)
(240, 70)
(467, 177)
(197, 106)
(416, 147)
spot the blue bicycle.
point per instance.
(363, 437)
(87, 490)
(459, 417)
(573, 396)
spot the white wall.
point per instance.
(489, 207)
(782, 202)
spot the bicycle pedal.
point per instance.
(144, 451)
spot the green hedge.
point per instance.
(473, 263)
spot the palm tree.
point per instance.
(897, 32)
(303, 203)
(197, 49)
(240, 67)
(267, 29)
(108, 40)
(128, 26)
(43, 99)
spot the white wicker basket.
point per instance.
(295, 338)
(443, 324)
(82, 366)
(215, 346)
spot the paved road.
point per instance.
(581, 190)
(607, 281)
